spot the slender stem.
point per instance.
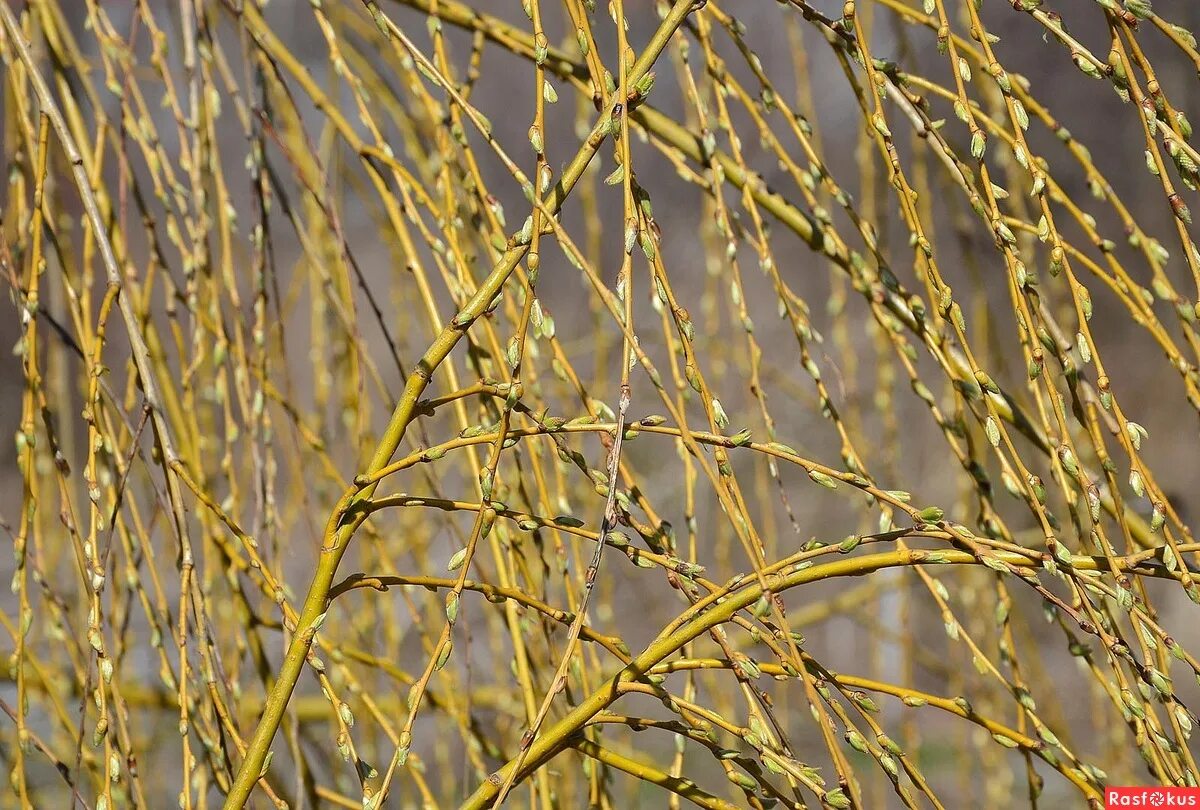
(648, 773)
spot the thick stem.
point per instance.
(341, 530)
(562, 733)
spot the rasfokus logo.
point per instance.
(1151, 797)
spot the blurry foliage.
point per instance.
(313, 489)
